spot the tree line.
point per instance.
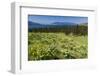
(74, 29)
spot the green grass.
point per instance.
(51, 46)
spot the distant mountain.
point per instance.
(33, 24)
(63, 23)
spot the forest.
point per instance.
(76, 30)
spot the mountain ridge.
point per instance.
(55, 24)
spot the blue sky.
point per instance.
(44, 19)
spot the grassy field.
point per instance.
(51, 46)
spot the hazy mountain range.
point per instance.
(55, 24)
